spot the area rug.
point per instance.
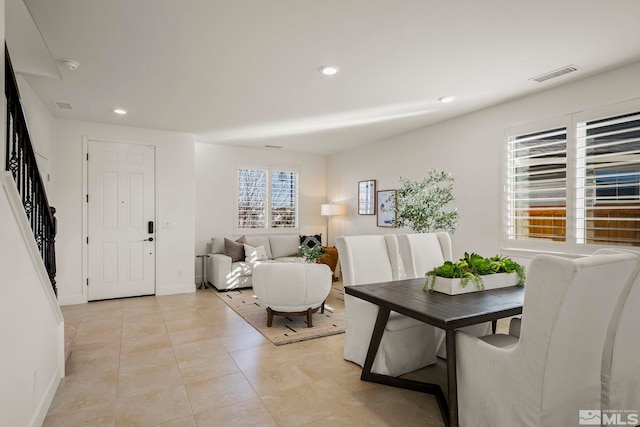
(289, 329)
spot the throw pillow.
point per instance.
(311, 241)
(254, 254)
(235, 250)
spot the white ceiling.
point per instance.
(245, 72)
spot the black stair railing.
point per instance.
(21, 162)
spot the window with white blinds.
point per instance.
(267, 198)
(575, 185)
(608, 181)
(537, 185)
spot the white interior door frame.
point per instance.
(85, 211)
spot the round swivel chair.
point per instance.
(292, 288)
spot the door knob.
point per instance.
(150, 239)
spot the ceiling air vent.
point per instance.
(63, 106)
(557, 73)
(273, 146)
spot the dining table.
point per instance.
(447, 312)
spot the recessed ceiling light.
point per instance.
(120, 111)
(446, 98)
(329, 70)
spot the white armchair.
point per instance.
(549, 373)
(620, 367)
(407, 344)
(421, 253)
(292, 289)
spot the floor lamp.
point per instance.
(329, 210)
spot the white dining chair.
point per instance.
(407, 344)
(553, 370)
(420, 253)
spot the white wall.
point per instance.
(216, 193)
(31, 324)
(175, 201)
(471, 147)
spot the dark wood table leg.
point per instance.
(367, 375)
(494, 326)
(452, 377)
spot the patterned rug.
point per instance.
(289, 329)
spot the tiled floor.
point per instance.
(189, 360)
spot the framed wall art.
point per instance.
(367, 197)
(386, 207)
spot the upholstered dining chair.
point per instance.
(549, 373)
(407, 344)
(422, 252)
(620, 367)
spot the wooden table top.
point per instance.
(441, 310)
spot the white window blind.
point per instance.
(537, 185)
(284, 188)
(252, 198)
(267, 198)
(608, 181)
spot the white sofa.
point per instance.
(224, 274)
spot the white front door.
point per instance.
(121, 220)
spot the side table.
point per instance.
(203, 283)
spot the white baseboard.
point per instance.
(47, 397)
(178, 289)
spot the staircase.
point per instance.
(33, 365)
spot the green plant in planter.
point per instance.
(472, 267)
(310, 254)
(422, 205)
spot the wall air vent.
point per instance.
(273, 146)
(557, 73)
(63, 106)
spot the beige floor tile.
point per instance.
(90, 326)
(182, 422)
(145, 342)
(74, 395)
(135, 373)
(249, 413)
(298, 406)
(219, 392)
(269, 380)
(149, 379)
(147, 359)
(192, 335)
(143, 329)
(207, 368)
(181, 313)
(244, 341)
(198, 349)
(148, 409)
(85, 417)
(100, 369)
(94, 337)
(95, 351)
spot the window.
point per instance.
(575, 182)
(267, 198)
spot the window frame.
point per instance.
(269, 169)
(572, 122)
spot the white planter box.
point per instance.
(491, 281)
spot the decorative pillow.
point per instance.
(235, 250)
(311, 241)
(254, 254)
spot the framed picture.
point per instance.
(386, 208)
(367, 197)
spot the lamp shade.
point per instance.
(329, 209)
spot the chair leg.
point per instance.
(309, 324)
(269, 317)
